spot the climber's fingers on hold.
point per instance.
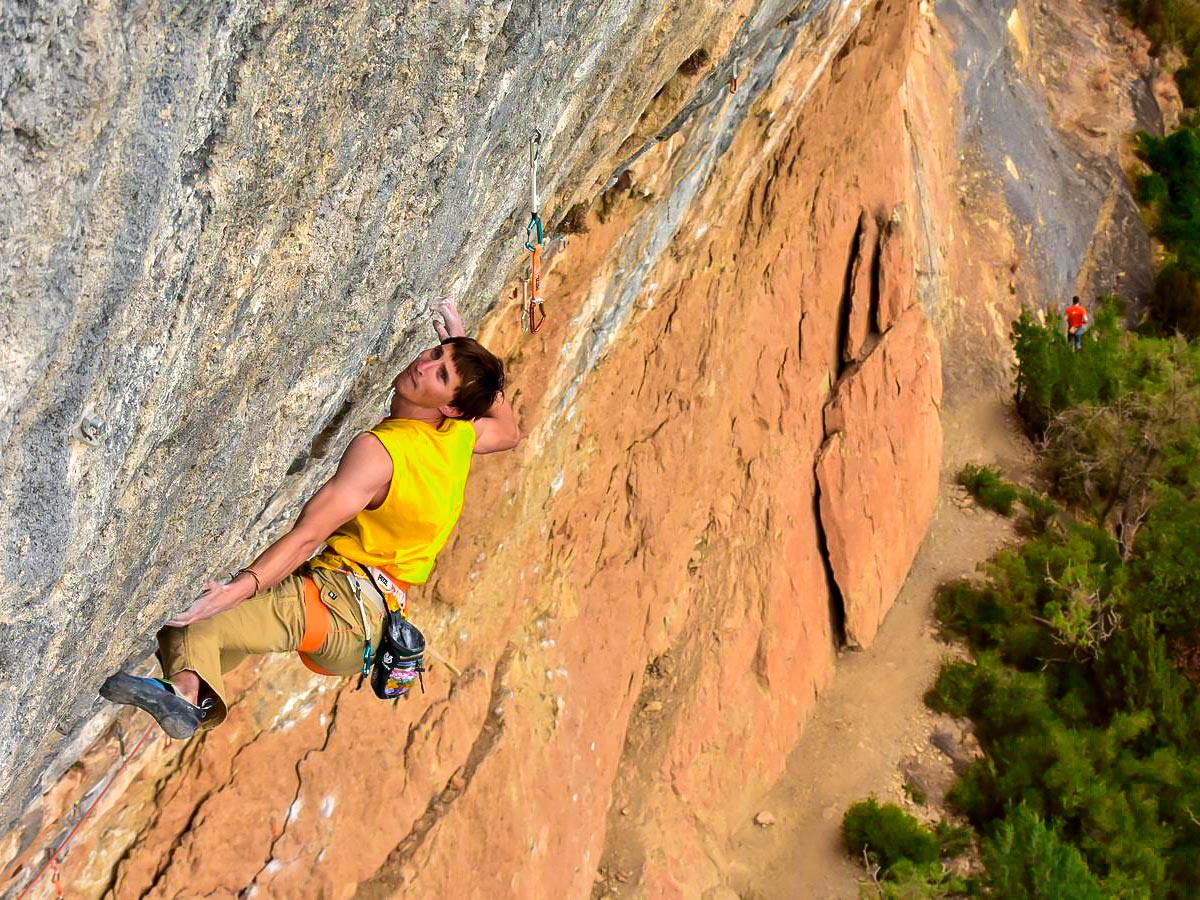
(449, 310)
(202, 607)
(182, 620)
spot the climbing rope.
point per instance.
(55, 858)
(534, 241)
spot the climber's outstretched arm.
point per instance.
(364, 472)
(498, 429)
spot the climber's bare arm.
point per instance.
(363, 476)
(498, 429)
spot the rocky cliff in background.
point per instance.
(220, 217)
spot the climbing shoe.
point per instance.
(177, 717)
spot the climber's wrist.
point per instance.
(247, 583)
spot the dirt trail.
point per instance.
(872, 718)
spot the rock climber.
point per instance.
(1077, 320)
(382, 518)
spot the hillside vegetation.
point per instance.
(1086, 639)
(1173, 23)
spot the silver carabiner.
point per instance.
(535, 154)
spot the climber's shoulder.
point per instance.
(366, 462)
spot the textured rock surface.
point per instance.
(639, 598)
(863, 288)
(883, 425)
(897, 285)
(215, 218)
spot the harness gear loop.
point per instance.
(368, 654)
(534, 241)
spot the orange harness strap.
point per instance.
(316, 616)
(316, 625)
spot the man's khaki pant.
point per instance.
(271, 621)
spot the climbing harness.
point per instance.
(316, 625)
(399, 660)
(534, 241)
(55, 859)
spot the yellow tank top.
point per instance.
(429, 475)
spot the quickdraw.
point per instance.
(534, 241)
(733, 82)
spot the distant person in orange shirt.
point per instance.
(1077, 320)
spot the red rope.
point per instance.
(60, 849)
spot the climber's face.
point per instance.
(430, 380)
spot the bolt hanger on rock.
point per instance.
(534, 242)
(90, 428)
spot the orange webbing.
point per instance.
(312, 666)
(535, 274)
(316, 624)
(535, 290)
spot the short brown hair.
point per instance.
(481, 375)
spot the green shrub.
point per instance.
(1051, 377)
(1105, 743)
(988, 488)
(1167, 21)
(1041, 511)
(1056, 596)
(1172, 193)
(915, 793)
(909, 881)
(1176, 159)
(888, 835)
(1151, 188)
(1175, 303)
(954, 689)
(1026, 860)
(1188, 80)
(1166, 564)
(953, 840)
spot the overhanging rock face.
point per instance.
(215, 219)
